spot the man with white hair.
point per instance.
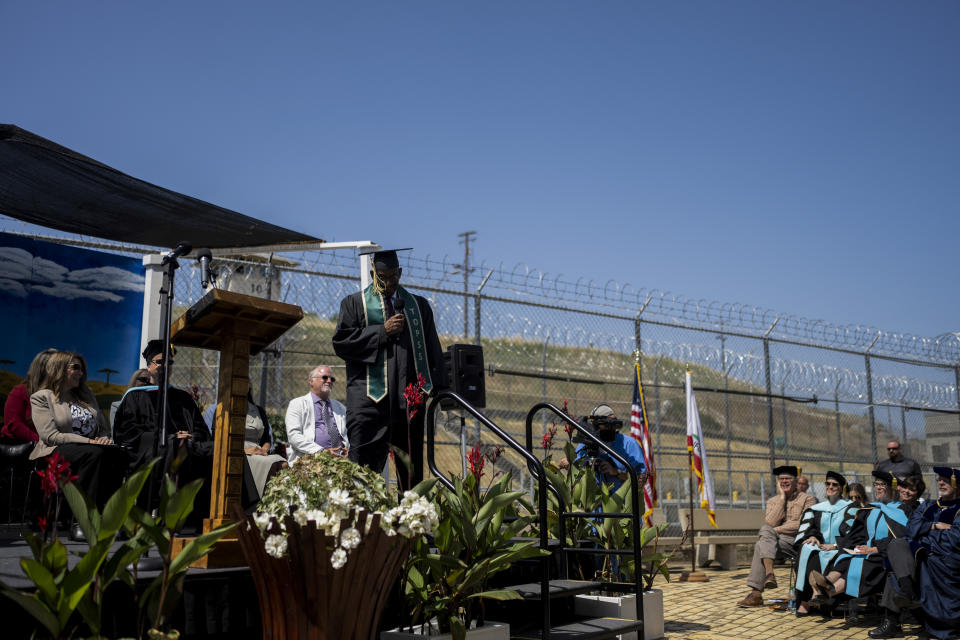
(316, 422)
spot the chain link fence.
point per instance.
(772, 389)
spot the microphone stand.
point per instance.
(147, 563)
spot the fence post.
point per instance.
(870, 412)
(956, 377)
(726, 409)
(836, 413)
(476, 319)
(769, 388)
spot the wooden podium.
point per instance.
(238, 326)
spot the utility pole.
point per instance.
(465, 267)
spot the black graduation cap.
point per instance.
(947, 472)
(788, 470)
(384, 258)
(153, 348)
(886, 476)
(833, 475)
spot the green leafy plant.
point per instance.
(164, 592)
(473, 542)
(580, 491)
(67, 599)
(61, 591)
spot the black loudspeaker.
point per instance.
(465, 372)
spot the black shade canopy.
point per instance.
(52, 186)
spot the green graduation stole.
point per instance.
(373, 313)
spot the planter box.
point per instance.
(489, 631)
(626, 607)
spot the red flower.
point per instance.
(475, 461)
(414, 395)
(547, 441)
(56, 475)
(43, 524)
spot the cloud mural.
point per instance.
(22, 273)
(65, 297)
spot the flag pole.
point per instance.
(693, 575)
(693, 547)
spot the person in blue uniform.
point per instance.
(815, 541)
(606, 427)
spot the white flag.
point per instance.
(698, 461)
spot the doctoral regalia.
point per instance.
(821, 521)
(379, 369)
(135, 428)
(874, 525)
(937, 553)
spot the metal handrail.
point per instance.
(634, 494)
(532, 462)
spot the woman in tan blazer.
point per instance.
(69, 422)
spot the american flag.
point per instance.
(640, 431)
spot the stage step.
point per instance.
(558, 588)
(589, 629)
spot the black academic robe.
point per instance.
(869, 529)
(373, 426)
(135, 427)
(937, 553)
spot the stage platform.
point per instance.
(217, 603)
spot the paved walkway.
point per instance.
(708, 610)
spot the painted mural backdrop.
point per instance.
(63, 297)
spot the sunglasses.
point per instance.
(831, 484)
(330, 378)
(73, 366)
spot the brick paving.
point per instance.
(708, 610)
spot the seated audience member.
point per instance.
(258, 438)
(140, 378)
(17, 425)
(896, 464)
(803, 484)
(782, 520)
(857, 494)
(815, 541)
(69, 422)
(860, 568)
(883, 487)
(934, 534)
(316, 422)
(137, 423)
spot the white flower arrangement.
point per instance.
(325, 490)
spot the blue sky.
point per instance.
(796, 156)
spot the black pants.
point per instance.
(373, 454)
(99, 469)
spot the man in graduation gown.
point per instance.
(387, 337)
(137, 423)
(815, 541)
(934, 534)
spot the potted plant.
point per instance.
(327, 543)
(446, 583)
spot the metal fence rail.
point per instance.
(772, 388)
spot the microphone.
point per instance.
(181, 249)
(397, 308)
(204, 257)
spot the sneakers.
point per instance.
(755, 599)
